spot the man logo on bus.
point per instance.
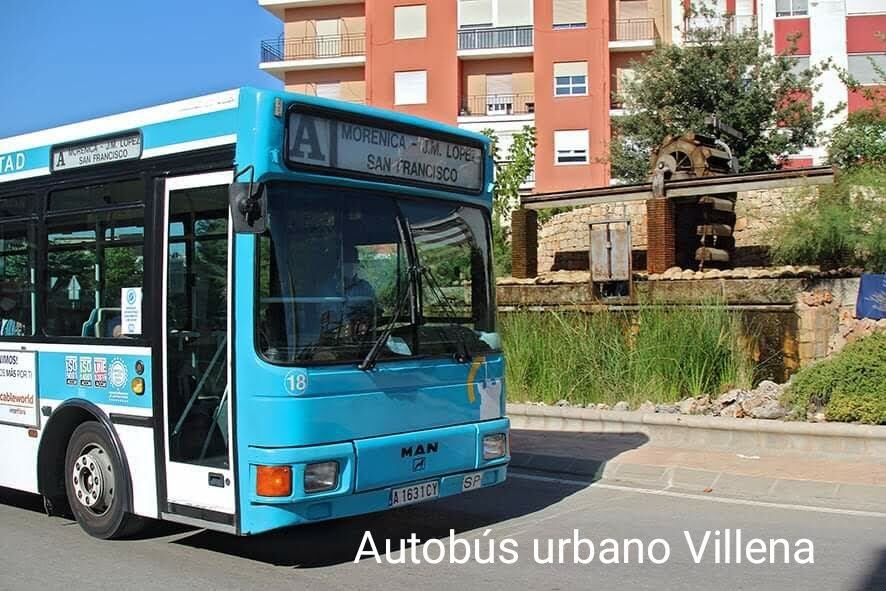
(306, 135)
(419, 450)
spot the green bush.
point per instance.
(658, 353)
(844, 226)
(850, 386)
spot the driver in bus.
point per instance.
(359, 313)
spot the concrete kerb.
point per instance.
(827, 440)
(840, 442)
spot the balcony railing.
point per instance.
(497, 104)
(495, 38)
(635, 29)
(307, 48)
(729, 24)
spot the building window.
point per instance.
(474, 13)
(571, 78)
(571, 146)
(801, 64)
(569, 14)
(330, 90)
(478, 14)
(791, 7)
(499, 94)
(410, 22)
(411, 88)
(864, 71)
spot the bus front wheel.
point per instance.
(95, 483)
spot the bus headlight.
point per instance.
(495, 446)
(321, 476)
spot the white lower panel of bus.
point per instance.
(18, 461)
(138, 445)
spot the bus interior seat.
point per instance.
(101, 322)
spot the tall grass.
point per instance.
(660, 353)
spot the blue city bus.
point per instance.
(246, 311)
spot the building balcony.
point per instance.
(495, 42)
(727, 24)
(278, 7)
(634, 34)
(497, 105)
(285, 54)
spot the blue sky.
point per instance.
(66, 60)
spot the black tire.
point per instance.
(97, 492)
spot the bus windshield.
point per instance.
(335, 264)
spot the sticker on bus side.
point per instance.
(18, 388)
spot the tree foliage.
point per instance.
(861, 139)
(733, 76)
(510, 173)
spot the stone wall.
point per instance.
(563, 240)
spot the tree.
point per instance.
(735, 77)
(509, 175)
(861, 139)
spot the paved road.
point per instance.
(849, 549)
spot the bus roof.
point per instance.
(181, 126)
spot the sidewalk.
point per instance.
(632, 458)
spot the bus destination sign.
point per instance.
(379, 151)
(100, 151)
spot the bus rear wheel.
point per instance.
(95, 484)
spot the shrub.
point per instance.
(659, 353)
(850, 386)
(844, 226)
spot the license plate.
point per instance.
(471, 481)
(415, 493)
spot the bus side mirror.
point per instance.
(249, 207)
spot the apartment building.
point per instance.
(504, 64)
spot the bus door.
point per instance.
(197, 350)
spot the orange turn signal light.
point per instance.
(273, 481)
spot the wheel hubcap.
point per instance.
(93, 479)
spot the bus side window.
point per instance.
(17, 230)
(92, 255)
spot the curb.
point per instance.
(826, 440)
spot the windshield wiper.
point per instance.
(371, 357)
(462, 351)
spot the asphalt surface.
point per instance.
(849, 548)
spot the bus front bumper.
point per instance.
(371, 478)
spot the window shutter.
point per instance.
(473, 13)
(633, 9)
(410, 22)
(514, 13)
(570, 12)
(331, 90)
(571, 146)
(571, 69)
(499, 84)
(411, 88)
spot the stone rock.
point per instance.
(819, 417)
(668, 409)
(672, 273)
(688, 406)
(603, 406)
(770, 409)
(703, 405)
(768, 388)
(730, 397)
(647, 407)
(621, 406)
(687, 274)
(730, 410)
(562, 402)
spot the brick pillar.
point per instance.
(524, 243)
(661, 253)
